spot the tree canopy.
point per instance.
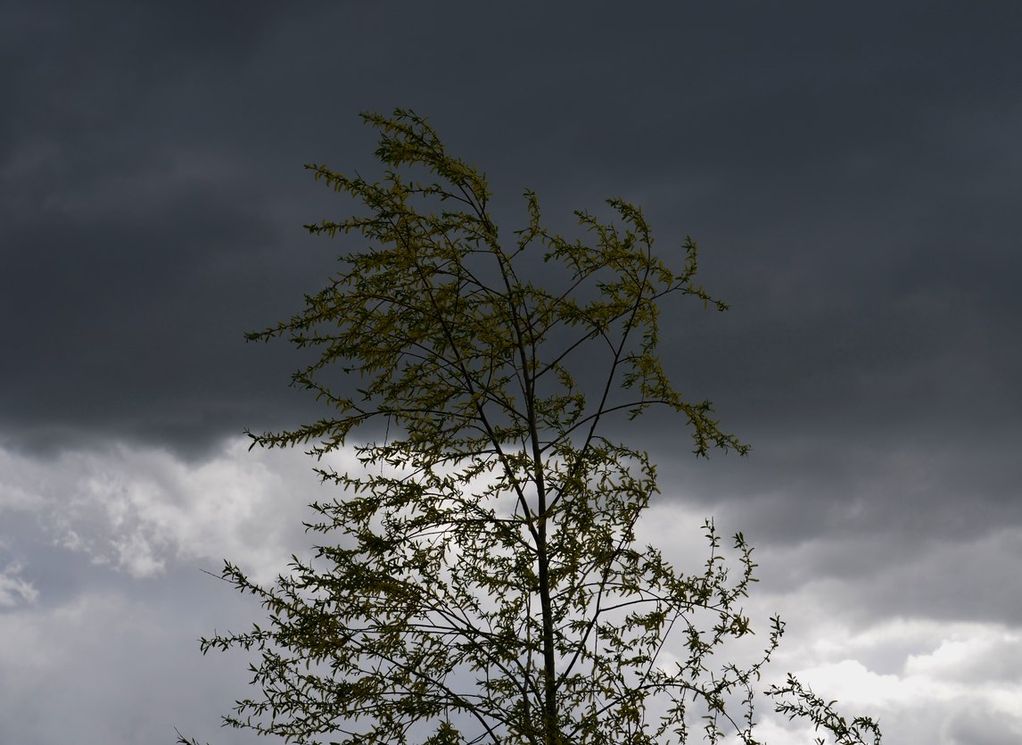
(479, 578)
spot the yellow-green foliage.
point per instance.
(480, 579)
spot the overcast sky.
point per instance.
(852, 172)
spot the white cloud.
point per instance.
(136, 509)
(929, 681)
(14, 589)
(938, 675)
(19, 479)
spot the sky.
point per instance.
(850, 171)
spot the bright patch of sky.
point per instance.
(145, 522)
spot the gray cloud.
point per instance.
(973, 728)
(847, 177)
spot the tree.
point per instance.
(479, 578)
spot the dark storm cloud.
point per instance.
(849, 173)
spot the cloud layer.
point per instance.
(113, 643)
